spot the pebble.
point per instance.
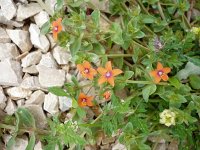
(36, 98)
(51, 103)
(8, 50)
(8, 8)
(38, 40)
(16, 93)
(21, 38)
(61, 55)
(11, 74)
(32, 58)
(4, 38)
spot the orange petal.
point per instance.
(102, 71)
(80, 67)
(86, 64)
(81, 96)
(59, 20)
(109, 66)
(164, 77)
(159, 66)
(166, 70)
(116, 72)
(54, 23)
(89, 101)
(111, 81)
(102, 79)
(153, 73)
(59, 28)
(157, 79)
(55, 35)
(89, 76)
(93, 71)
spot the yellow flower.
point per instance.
(195, 30)
(167, 117)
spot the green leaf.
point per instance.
(11, 142)
(175, 100)
(59, 4)
(74, 103)
(147, 91)
(148, 19)
(45, 27)
(26, 119)
(195, 81)
(98, 48)
(128, 74)
(57, 91)
(139, 35)
(128, 128)
(95, 17)
(75, 46)
(194, 60)
(81, 112)
(175, 82)
(31, 143)
(116, 34)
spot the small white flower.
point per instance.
(195, 30)
(167, 117)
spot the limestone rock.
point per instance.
(101, 5)
(61, 55)
(65, 103)
(31, 59)
(28, 10)
(20, 102)
(8, 50)
(38, 40)
(51, 4)
(16, 93)
(31, 70)
(3, 99)
(49, 77)
(10, 107)
(38, 114)
(51, 40)
(4, 20)
(51, 103)
(36, 98)
(38, 146)
(11, 73)
(31, 83)
(20, 38)
(4, 38)
(48, 61)
(8, 8)
(41, 18)
(119, 146)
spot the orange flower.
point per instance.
(107, 95)
(160, 73)
(85, 100)
(57, 27)
(108, 74)
(86, 70)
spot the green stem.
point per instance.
(143, 47)
(145, 82)
(117, 55)
(142, 6)
(161, 13)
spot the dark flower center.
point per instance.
(84, 100)
(160, 73)
(55, 28)
(108, 74)
(86, 71)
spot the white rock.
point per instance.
(4, 38)
(41, 18)
(20, 143)
(4, 20)
(51, 103)
(31, 70)
(48, 61)
(3, 99)
(20, 102)
(8, 50)
(49, 77)
(11, 73)
(51, 4)
(38, 146)
(10, 107)
(65, 103)
(119, 146)
(31, 83)
(38, 40)
(68, 77)
(38, 114)
(8, 8)
(28, 10)
(51, 40)
(61, 55)
(20, 38)
(31, 59)
(16, 93)
(101, 5)
(36, 98)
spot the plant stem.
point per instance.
(145, 82)
(136, 43)
(142, 6)
(117, 55)
(161, 13)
